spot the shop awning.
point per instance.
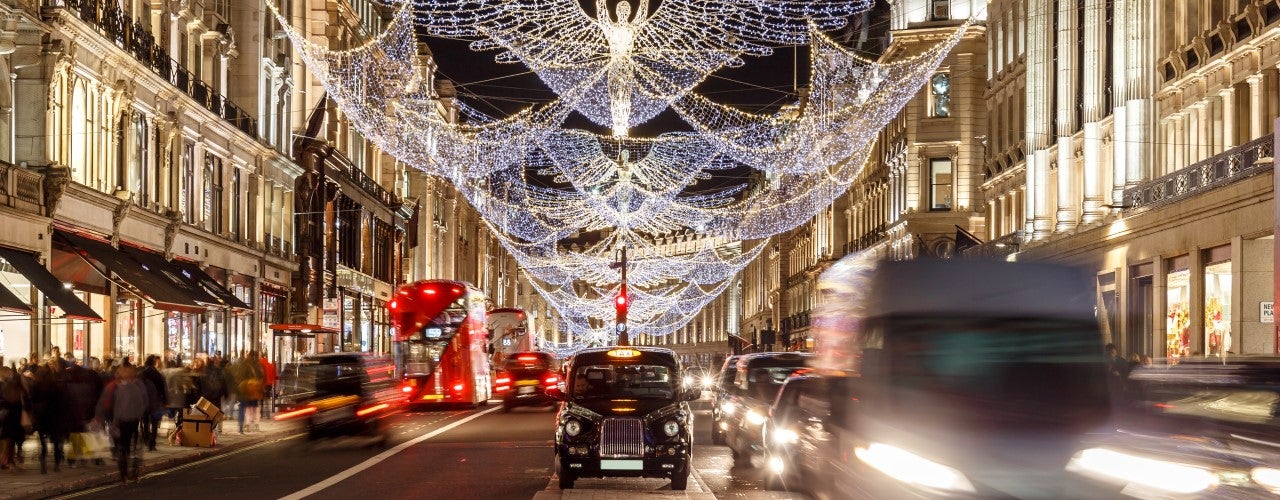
(194, 274)
(172, 275)
(146, 278)
(49, 285)
(11, 302)
(299, 329)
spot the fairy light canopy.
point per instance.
(535, 181)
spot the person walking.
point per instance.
(13, 404)
(268, 370)
(151, 422)
(250, 389)
(124, 403)
(51, 410)
(84, 387)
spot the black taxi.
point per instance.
(624, 414)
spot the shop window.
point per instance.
(940, 184)
(939, 10)
(1178, 308)
(1217, 300)
(940, 95)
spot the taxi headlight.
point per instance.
(1142, 471)
(754, 418)
(708, 382)
(572, 428)
(912, 469)
(728, 407)
(671, 428)
(686, 381)
(1266, 477)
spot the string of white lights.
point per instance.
(537, 184)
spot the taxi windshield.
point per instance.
(607, 381)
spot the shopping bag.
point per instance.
(80, 449)
(27, 424)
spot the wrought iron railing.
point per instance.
(132, 36)
(867, 240)
(1219, 170)
(998, 248)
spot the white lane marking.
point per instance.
(344, 475)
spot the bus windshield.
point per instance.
(423, 348)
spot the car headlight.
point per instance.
(912, 469)
(784, 436)
(1148, 472)
(728, 407)
(1266, 477)
(686, 381)
(572, 428)
(708, 382)
(754, 418)
(671, 428)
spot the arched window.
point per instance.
(77, 145)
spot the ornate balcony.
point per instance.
(21, 188)
(132, 36)
(1225, 168)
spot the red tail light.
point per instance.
(301, 412)
(551, 380)
(457, 387)
(527, 357)
(502, 380)
(406, 389)
(372, 409)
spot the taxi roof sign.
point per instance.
(623, 353)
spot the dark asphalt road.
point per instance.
(484, 454)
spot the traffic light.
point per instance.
(620, 303)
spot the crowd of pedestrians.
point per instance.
(80, 412)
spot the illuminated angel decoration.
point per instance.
(633, 66)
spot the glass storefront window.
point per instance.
(128, 319)
(1217, 308)
(180, 332)
(15, 328)
(1178, 313)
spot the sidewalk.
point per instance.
(29, 483)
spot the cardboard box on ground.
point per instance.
(198, 424)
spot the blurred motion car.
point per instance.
(723, 393)
(339, 394)
(757, 381)
(525, 378)
(1206, 427)
(624, 414)
(795, 433)
(959, 378)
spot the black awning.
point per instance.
(146, 278)
(171, 275)
(11, 302)
(194, 274)
(49, 285)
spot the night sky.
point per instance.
(763, 84)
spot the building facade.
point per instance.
(166, 190)
(1131, 138)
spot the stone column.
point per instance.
(1257, 106)
(1039, 87)
(993, 218)
(1068, 201)
(1228, 96)
(1203, 137)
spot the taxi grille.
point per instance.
(621, 437)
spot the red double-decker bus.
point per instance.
(441, 343)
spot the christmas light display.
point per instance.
(536, 183)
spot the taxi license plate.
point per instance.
(526, 382)
(528, 389)
(622, 465)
